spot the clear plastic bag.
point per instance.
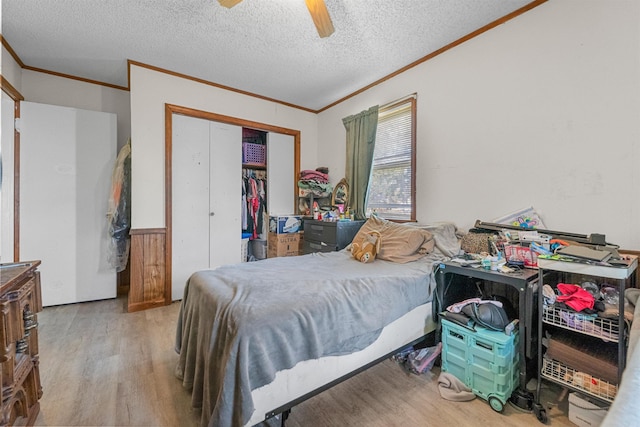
(421, 361)
(119, 214)
(401, 356)
(418, 361)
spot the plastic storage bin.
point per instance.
(486, 361)
(585, 413)
(254, 153)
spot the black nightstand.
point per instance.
(328, 236)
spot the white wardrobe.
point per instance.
(206, 193)
(66, 160)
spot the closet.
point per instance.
(206, 192)
(254, 187)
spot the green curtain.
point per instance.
(361, 138)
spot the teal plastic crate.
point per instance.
(486, 361)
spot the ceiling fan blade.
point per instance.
(320, 16)
(229, 3)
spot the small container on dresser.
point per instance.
(20, 300)
(329, 236)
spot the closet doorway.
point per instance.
(7, 174)
(204, 193)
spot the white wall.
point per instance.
(150, 90)
(541, 111)
(49, 89)
(10, 69)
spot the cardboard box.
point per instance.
(285, 224)
(283, 245)
(584, 413)
(301, 243)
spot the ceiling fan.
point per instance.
(317, 9)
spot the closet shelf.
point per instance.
(260, 166)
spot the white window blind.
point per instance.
(391, 184)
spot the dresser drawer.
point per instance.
(313, 246)
(320, 231)
(326, 236)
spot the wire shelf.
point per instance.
(565, 375)
(599, 327)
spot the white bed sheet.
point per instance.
(309, 375)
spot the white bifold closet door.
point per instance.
(205, 192)
(67, 157)
(281, 177)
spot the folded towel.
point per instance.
(451, 388)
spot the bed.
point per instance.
(256, 338)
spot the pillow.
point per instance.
(398, 242)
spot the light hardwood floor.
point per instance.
(101, 366)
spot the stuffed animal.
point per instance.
(368, 249)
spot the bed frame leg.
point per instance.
(284, 416)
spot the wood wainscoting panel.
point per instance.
(124, 278)
(148, 272)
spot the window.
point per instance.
(392, 184)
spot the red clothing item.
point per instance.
(575, 297)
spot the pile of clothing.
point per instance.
(587, 299)
(581, 307)
(313, 183)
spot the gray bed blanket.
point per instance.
(240, 324)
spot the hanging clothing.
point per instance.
(243, 205)
(254, 202)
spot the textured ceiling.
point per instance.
(266, 47)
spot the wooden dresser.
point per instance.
(20, 300)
